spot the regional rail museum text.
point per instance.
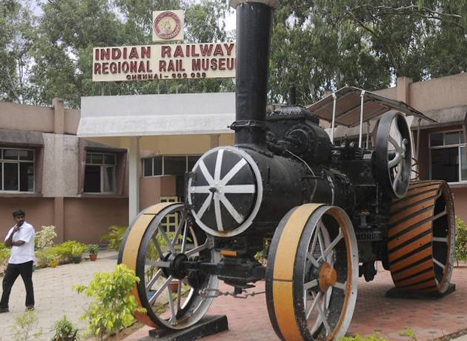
(212, 60)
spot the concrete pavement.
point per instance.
(54, 295)
(248, 319)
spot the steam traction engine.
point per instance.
(329, 212)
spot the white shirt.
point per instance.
(24, 253)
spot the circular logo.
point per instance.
(167, 25)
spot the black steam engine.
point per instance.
(326, 212)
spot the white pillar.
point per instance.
(133, 178)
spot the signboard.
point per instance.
(174, 61)
(167, 26)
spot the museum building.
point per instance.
(83, 171)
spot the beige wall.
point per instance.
(39, 212)
(154, 187)
(88, 219)
(460, 202)
(42, 119)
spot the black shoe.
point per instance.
(4, 310)
(30, 308)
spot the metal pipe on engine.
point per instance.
(254, 21)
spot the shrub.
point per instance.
(93, 248)
(4, 255)
(65, 250)
(45, 256)
(64, 330)
(24, 327)
(114, 305)
(461, 241)
(114, 237)
(44, 238)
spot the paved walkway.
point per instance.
(248, 319)
(54, 295)
(429, 319)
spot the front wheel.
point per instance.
(312, 273)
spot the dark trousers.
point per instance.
(11, 274)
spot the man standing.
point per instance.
(21, 240)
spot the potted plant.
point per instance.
(77, 252)
(64, 330)
(93, 251)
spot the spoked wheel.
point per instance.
(393, 154)
(312, 272)
(421, 238)
(160, 239)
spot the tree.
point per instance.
(323, 45)
(16, 34)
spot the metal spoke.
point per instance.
(310, 284)
(160, 290)
(395, 161)
(394, 143)
(217, 170)
(179, 295)
(332, 245)
(233, 212)
(171, 305)
(185, 232)
(340, 285)
(313, 305)
(322, 314)
(437, 262)
(157, 246)
(159, 264)
(205, 172)
(197, 249)
(166, 238)
(200, 189)
(321, 244)
(205, 206)
(154, 279)
(440, 239)
(235, 169)
(241, 189)
(217, 211)
(179, 227)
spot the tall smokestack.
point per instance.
(254, 21)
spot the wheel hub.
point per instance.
(176, 268)
(327, 277)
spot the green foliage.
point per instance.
(114, 305)
(77, 249)
(409, 333)
(64, 330)
(93, 249)
(114, 237)
(461, 241)
(65, 250)
(4, 255)
(373, 337)
(44, 238)
(45, 256)
(23, 329)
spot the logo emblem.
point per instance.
(167, 25)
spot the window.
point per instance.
(17, 170)
(170, 165)
(100, 173)
(448, 160)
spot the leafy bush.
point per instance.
(45, 256)
(461, 241)
(44, 238)
(4, 255)
(373, 337)
(64, 330)
(77, 249)
(65, 250)
(114, 305)
(114, 237)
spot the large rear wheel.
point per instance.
(421, 238)
(312, 272)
